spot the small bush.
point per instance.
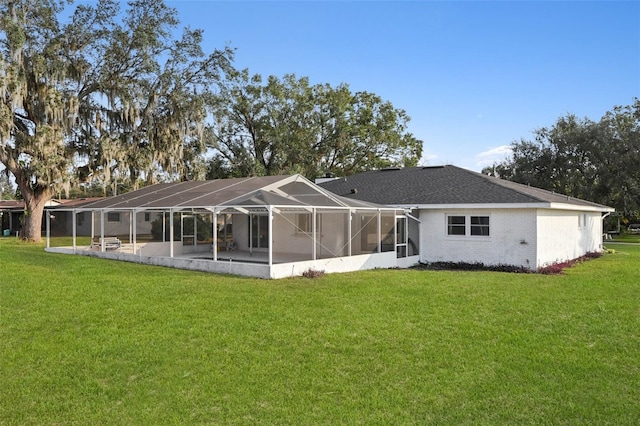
(312, 273)
(559, 267)
(476, 266)
(552, 269)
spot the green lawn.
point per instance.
(92, 341)
(627, 238)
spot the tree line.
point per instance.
(597, 161)
(112, 99)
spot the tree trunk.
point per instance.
(35, 198)
(32, 225)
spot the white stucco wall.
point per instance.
(512, 239)
(530, 238)
(567, 235)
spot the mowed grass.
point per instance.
(91, 341)
(627, 238)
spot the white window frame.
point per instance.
(467, 225)
(450, 226)
(582, 221)
(480, 226)
(304, 226)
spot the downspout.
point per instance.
(603, 233)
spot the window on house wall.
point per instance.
(477, 226)
(582, 220)
(303, 223)
(480, 225)
(147, 217)
(113, 217)
(456, 225)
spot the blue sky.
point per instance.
(473, 76)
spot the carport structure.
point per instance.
(268, 227)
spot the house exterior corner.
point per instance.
(566, 235)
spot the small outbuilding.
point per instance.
(268, 227)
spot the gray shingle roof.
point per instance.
(442, 185)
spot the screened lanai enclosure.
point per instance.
(268, 227)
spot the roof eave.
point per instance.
(484, 206)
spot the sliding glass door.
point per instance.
(258, 231)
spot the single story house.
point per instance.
(12, 216)
(11, 213)
(468, 217)
(268, 227)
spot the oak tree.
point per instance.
(597, 161)
(283, 126)
(107, 96)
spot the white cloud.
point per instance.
(427, 158)
(502, 150)
(493, 155)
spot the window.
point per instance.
(480, 225)
(147, 217)
(476, 226)
(582, 220)
(80, 218)
(456, 225)
(303, 223)
(113, 217)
